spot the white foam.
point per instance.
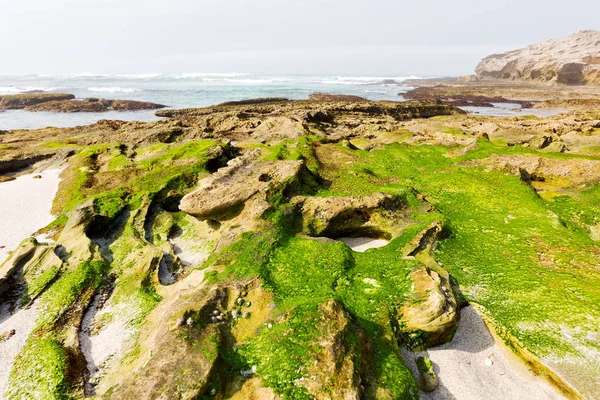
(148, 75)
(23, 89)
(188, 75)
(114, 89)
(365, 80)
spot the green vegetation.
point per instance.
(40, 370)
(528, 258)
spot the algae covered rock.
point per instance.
(378, 214)
(430, 318)
(225, 192)
(335, 373)
(8, 267)
(428, 380)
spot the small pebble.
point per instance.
(248, 304)
(220, 317)
(269, 325)
(216, 312)
(489, 362)
(240, 301)
(234, 313)
(190, 321)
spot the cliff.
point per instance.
(572, 60)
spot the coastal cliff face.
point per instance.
(200, 256)
(572, 60)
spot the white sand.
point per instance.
(107, 342)
(23, 322)
(362, 244)
(465, 373)
(25, 205)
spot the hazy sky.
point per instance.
(356, 37)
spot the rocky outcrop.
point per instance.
(64, 102)
(573, 60)
(20, 101)
(93, 105)
(458, 97)
(575, 171)
(9, 267)
(335, 97)
(335, 374)
(430, 318)
(374, 215)
(225, 192)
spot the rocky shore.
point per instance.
(205, 254)
(62, 102)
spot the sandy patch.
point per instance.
(23, 322)
(474, 367)
(362, 244)
(100, 344)
(25, 205)
(188, 252)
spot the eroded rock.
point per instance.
(376, 215)
(571, 60)
(430, 318)
(225, 192)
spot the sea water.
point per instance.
(179, 91)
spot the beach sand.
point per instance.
(465, 371)
(25, 205)
(362, 244)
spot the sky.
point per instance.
(341, 37)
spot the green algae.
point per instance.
(41, 368)
(501, 230)
(529, 261)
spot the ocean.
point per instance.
(180, 91)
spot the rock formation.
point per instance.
(572, 60)
(200, 256)
(62, 102)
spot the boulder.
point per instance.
(430, 317)
(338, 216)
(572, 60)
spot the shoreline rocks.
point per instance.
(64, 102)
